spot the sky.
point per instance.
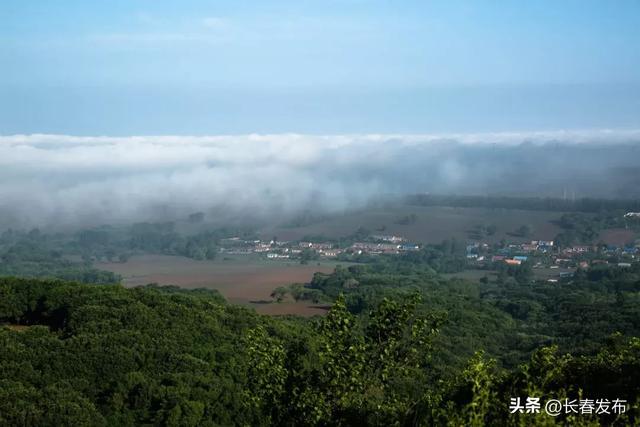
(192, 67)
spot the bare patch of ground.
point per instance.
(239, 280)
(617, 236)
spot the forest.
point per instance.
(403, 343)
(400, 346)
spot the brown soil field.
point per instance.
(241, 280)
(433, 224)
(617, 236)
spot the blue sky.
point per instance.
(335, 66)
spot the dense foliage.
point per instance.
(75, 354)
(509, 316)
(34, 254)
(71, 255)
(580, 228)
(402, 344)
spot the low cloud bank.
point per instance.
(65, 180)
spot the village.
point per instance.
(539, 254)
(546, 254)
(276, 249)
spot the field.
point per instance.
(244, 280)
(617, 236)
(250, 280)
(432, 225)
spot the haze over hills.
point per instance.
(59, 180)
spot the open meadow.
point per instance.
(247, 280)
(431, 224)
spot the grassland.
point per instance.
(432, 225)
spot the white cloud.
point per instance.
(67, 179)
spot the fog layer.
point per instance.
(64, 180)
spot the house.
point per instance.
(331, 253)
(385, 238)
(543, 245)
(321, 246)
(624, 264)
(580, 249)
(576, 250)
(376, 247)
(262, 247)
(512, 262)
(240, 251)
(611, 248)
(316, 246)
(409, 247)
(496, 258)
(632, 215)
(520, 258)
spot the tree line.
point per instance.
(77, 354)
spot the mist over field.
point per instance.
(64, 180)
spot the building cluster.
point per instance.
(276, 249)
(382, 248)
(537, 253)
(546, 254)
(387, 238)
